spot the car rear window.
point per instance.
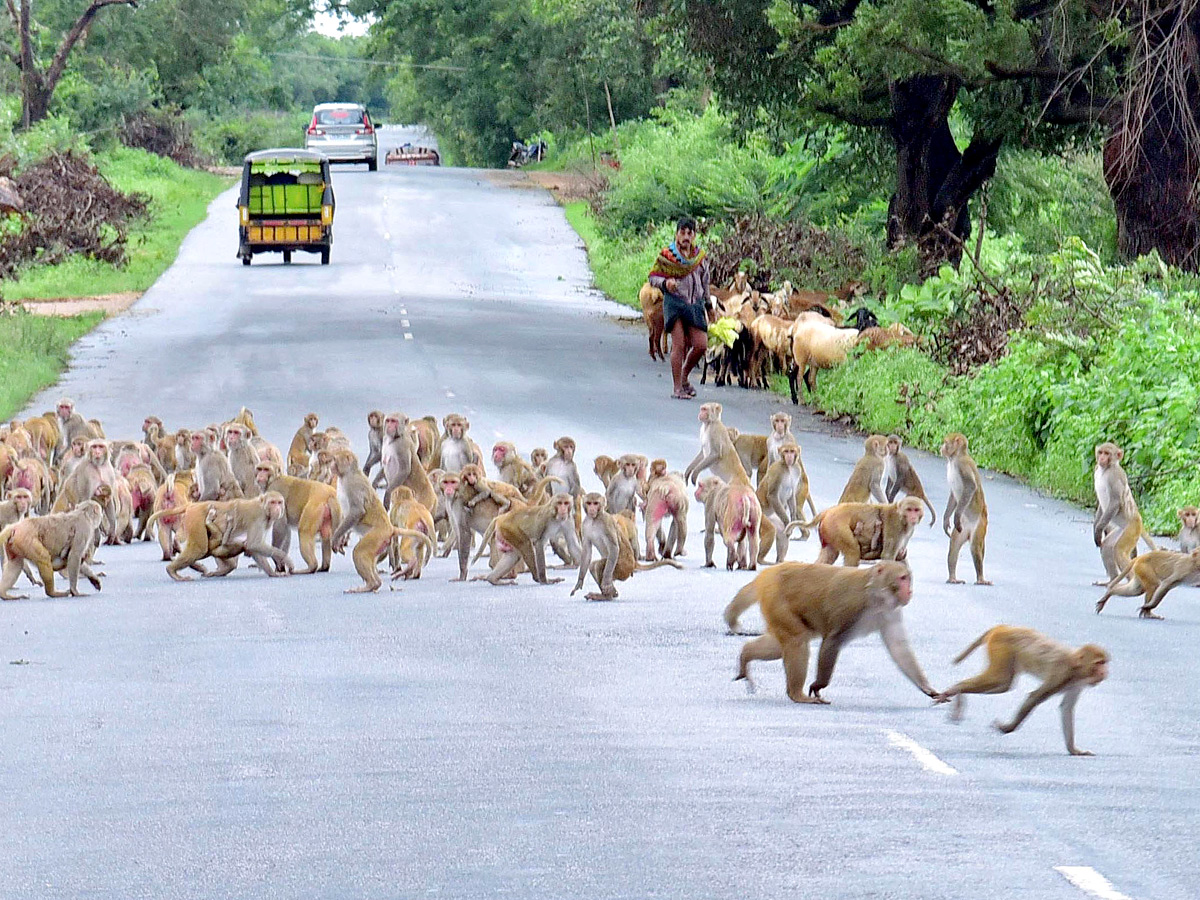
(339, 116)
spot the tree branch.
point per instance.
(853, 118)
(78, 30)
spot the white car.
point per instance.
(344, 133)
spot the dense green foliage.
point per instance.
(33, 350)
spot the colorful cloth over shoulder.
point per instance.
(671, 264)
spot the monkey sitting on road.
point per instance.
(802, 601)
(1014, 650)
(870, 531)
(521, 536)
(1189, 531)
(610, 537)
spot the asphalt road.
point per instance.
(276, 738)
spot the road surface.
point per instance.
(277, 738)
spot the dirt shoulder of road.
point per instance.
(563, 185)
(109, 304)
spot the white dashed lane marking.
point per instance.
(404, 323)
(1090, 882)
(408, 336)
(927, 760)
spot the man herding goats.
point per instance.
(681, 273)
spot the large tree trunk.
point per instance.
(1152, 159)
(934, 181)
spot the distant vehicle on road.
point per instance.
(344, 133)
(286, 203)
(411, 155)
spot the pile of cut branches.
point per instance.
(164, 132)
(773, 251)
(980, 335)
(69, 208)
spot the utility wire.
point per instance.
(368, 62)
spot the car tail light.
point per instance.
(313, 129)
(367, 127)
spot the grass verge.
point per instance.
(179, 201)
(619, 266)
(33, 350)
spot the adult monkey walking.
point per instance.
(681, 273)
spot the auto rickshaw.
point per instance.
(285, 204)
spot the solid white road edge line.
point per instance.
(1090, 882)
(927, 760)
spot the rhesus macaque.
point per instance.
(127, 454)
(521, 537)
(865, 531)
(13, 510)
(245, 418)
(405, 556)
(185, 460)
(123, 512)
(512, 469)
(298, 450)
(35, 476)
(626, 488)
(1011, 651)
(162, 442)
(1189, 531)
(51, 543)
(666, 495)
(606, 469)
(608, 535)
(363, 513)
(562, 466)
(1118, 520)
(716, 449)
(752, 451)
(72, 424)
(777, 493)
(427, 441)
(214, 477)
(1153, 574)
(537, 459)
(142, 490)
(457, 450)
(781, 433)
(734, 509)
(310, 507)
(87, 476)
(866, 481)
(225, 529)
(399, 457)
(375, 445)
(901, 476)
(467, 521)
(966, 516)
(173, 494)
(802, 601)
(481, 489)
(71, 460)
(243, 459)
(44, 435)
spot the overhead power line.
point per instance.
(366, 62)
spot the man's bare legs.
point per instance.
(688, 346)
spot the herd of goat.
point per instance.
(791, 331)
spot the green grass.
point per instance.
(33, 350)
(620, 266)
(179, 202)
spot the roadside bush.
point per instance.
(228, 140)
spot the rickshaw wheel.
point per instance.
(325, 257)
(245, 260)
(287, 257)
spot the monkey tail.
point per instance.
(412, 532)
(932, 512)
(806, 528)
(658, 564)
(487, 539)
(974, 646)
(177, 511)
(742, 601)
(1117, 579)
(796, 524)
(1147, 538)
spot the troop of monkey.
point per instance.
(223, 491)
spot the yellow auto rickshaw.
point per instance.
(285, 204)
